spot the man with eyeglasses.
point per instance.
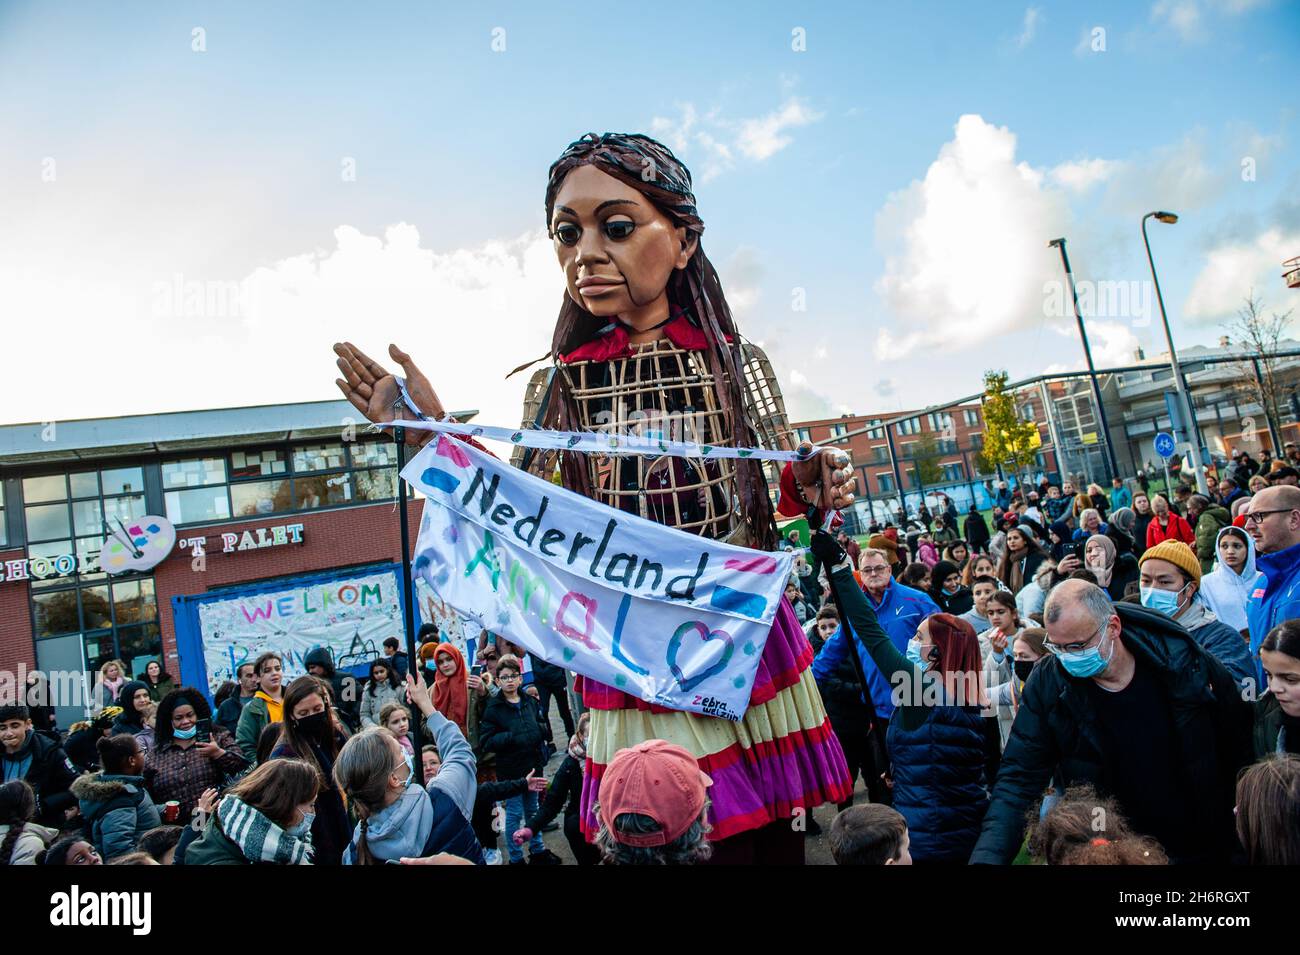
(899, 610)
(1127, 702)
(1273, 522)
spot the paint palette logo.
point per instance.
(140, 544)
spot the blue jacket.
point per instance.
(1276, 597)
(899, 613)
(117, 811)
(938, 771)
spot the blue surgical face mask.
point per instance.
(186, 734)
(1087, 663)
(302, 828)
(914, 655)
(1161, 601)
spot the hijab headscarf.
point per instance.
(1108, 547)
(450, 693)
(131, 717)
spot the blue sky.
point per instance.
(904, 170)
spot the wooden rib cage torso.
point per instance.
(662, 392)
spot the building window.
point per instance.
(880, 454)
(909, 426)
(204, 498)
(67, 513)
(940, 421)
(886, 482)
(803, 434)
(876, 433)
(838, 431)
(972, 417)
(268, 481)
(953, 472)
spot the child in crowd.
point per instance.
(1268, 811)
(1082, 828)
(396, 718)
(872, 834)
(432, 761)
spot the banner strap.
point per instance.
(648, 444)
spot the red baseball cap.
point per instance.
(655, 779)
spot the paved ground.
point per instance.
(817, 850)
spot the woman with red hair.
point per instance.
(936, 739)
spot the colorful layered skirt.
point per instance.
(779, 759)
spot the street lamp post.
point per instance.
(1087, 354)
(1184, 399)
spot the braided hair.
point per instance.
(650, 168)
(17, 807)
(361, 772)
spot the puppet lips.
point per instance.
(596, 285)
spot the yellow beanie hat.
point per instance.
(1178, 554)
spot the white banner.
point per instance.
(648, 441)
(669, 617)
(351, 616)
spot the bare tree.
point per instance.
(1260, 338)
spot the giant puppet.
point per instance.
(645, 340)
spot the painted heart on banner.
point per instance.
(705, 634)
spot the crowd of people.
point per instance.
(993, 687)
(1125, 650)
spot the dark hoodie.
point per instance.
(347, 696)
(129, 722)
(956, 603)
(1064, 537)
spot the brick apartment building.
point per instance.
(886, 448)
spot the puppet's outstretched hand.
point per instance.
(373, 390)
(829, 474)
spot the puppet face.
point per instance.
(617, 250)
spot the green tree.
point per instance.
(1008, 441)
(925, 458)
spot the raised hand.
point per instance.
(417, 693)
(373, 390)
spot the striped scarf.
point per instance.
(258, 838)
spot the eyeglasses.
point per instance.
(1257, 517)
(876, 570)
(507, 677)
(1058, 649)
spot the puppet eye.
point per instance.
(567, 233)
(619, 229)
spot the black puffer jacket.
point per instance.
(514, 733)
(1056, 733)
(50, 774)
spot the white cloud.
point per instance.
(1112, 343)
(765, 136)
(497, 301)
(1232, 269)
(742, 284)
(713, 141)
(1183, 16)
(1033, 16)
(966, 255)
(1186, 17)
(1081, 175)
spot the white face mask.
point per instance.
(301, 829)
